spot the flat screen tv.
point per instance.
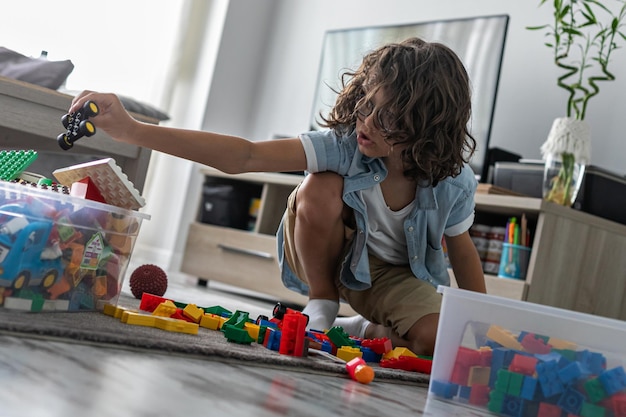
(478, 41)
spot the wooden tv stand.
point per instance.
(577, 260)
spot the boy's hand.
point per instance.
(112, 116)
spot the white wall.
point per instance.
(528, 99)
(266, 72)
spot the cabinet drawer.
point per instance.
(228, 255)
(239, 258)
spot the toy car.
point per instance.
(77, 125)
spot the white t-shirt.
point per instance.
(386, 238)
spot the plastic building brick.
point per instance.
(478, 375)
(236, 334)
(149, 302)
(293, 337)
(571, 401)
(193, 312)
(479, 394)
(272, 339)
(443, 389)
(254, 330)
(165, 309)
(360, 371)
(503, 337)
(13, 163)
(113, 184)
(369, 355)
(86, 189)
(178, 326)
(138, 319)
(409, 363)
(211, 321)
(523, 364)
(562, 344)
(339, 337)
(347, 353)
(548, 410)
(218, 310)
(399, 351)
(379, 346)
(534, 344)
(238, 319)
(77, 125)
(613, 380)
(594, 390)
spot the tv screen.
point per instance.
(478, 41)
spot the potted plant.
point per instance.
(582, 36)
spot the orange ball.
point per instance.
(364, 374)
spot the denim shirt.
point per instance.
(447, 208)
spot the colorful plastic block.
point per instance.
(359, 370)
(13, 163)
(348, 353)
(113, 184)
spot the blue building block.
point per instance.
(613, 380)
(369, 355)
(443, 389)
(530, 388)
(513, 406)
(572, 372)
(594, 361)
(571, 401)
(464, 393)
(547, 373)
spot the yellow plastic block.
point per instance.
(211, 321)
(175, 325)
(504, 337)
(397, 352)
(139, 319)
(115, 311)
(165, 309)
(562, 344)
(193, 312)
(253, 330)
(347, 353)
(479, 375)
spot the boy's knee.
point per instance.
(423, 334)
(320, 193)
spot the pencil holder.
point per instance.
(514, 261)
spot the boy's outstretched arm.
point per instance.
(230, 154)
(465, 262)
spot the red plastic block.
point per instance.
(548, 410)
(149, 302)
(479, 395)
(378, 346)
(523, 364)
(408, 363)
(86, 189)
(292, 339)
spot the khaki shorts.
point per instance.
(396, 299)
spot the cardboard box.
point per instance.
(516, 358)
(59, 252)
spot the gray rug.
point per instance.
(98, 328)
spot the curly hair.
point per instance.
(427, 105)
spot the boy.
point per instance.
(385, 183)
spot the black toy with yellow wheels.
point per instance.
(77, 125)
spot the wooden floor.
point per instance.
(45, 378)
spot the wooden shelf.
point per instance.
(30, 118)
(577, 260)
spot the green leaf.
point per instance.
(536, 27)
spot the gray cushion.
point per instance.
(39, 71)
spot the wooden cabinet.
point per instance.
(577, 262)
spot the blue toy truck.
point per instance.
(21, 262)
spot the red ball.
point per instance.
(149, 279)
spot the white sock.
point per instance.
(354, 326)
(321, 313)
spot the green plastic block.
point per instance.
(13, 163)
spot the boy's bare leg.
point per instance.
(319, 240)
(420, 339)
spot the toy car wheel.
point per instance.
(64, 141)
(90, 109)
(279, 311)
(49, 279)
(66, 120)
(86, 128)
(21, 281)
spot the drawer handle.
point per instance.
(250, 252)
